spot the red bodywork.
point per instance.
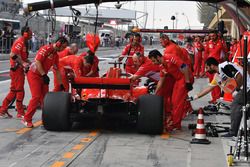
(114, 85)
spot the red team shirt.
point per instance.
(64, 53)
(233, 49)
(171, 65)
(174, 49)
(130, 51)
(74, 62)
(214, 49)
(148, 69)
(198, 48)
(48, 57)
(94, 67)
(19, 48)
(205, 53)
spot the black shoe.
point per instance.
(227, 135)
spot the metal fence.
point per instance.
(6, 43)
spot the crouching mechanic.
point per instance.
(77, 65)
(145, 68)
(19, 64)
(92, 70)
(70, 50)
(180, 84)
(224, 73)
(38, 80)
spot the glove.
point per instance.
(15, 67)
(75, 98)
(70, 77)
(26, 67)
(46, 79)
(189, 86)
(120, 58)
(62, 87)
(229, 70)
(192, 98)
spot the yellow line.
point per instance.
(165, 136)
(76, 150)
(68, 155)
(58, 164)
(24, 130)
(38, 123)
(10, 130)
(85, 140)
(93, 133)
(78, 147)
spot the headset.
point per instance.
(26, 32)
(60, 41)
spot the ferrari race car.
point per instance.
(113, 95)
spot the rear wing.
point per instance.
(101, 83)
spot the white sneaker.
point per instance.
(27, 124)
(5, 115)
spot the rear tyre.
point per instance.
(56, 111)
(150, 114)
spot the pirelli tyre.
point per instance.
(55, 113)
(150, 114)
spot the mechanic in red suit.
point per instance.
(93, 69)
(133, 47)
(188, 61)
(214, 49)
(75, 63)
(204, 54)
(70, 50)
(171, 48)
(19, 63)
(198, 48)
(233, 49)
(174, 66)
(145, 68)
(239, 54)
(38, 79)
(224, 51)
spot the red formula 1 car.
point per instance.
(112, 95)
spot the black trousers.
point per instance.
(236, 111)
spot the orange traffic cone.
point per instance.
(200, 132)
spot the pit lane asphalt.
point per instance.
(92, 144)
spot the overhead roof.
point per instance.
(62, 3)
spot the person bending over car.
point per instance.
(145, 68)
(72, 65)
(93, 70)
(175, 74)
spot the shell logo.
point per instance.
(84, 96)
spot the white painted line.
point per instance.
(4, 61)
(15, 163)
(189, 156)
(4, 71)
(5, 81)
